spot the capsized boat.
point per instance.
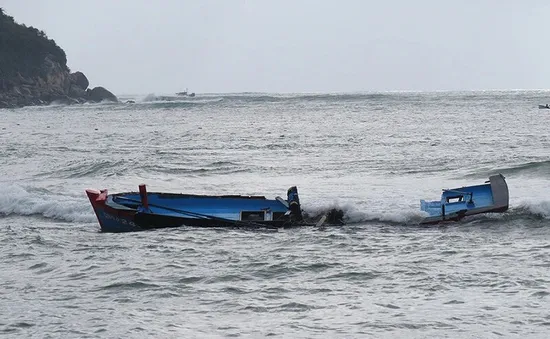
(457, 203)
(136, 211)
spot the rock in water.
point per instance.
(80, 80)
(77, 92)
(99, 93)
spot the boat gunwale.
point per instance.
(166, 195)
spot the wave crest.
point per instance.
(17, 200)
(32, 201)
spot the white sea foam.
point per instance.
(18, 200)
(540, 208)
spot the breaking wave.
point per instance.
(532, 209)
(539, 168)
(38, 202)
(178, 100)
(168, 101)
(17, 200)
(352, 214)
(525, 210)
(173, 101)
(531, 168)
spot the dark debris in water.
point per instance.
(393, 307)
(130, 285)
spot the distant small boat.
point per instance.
(457, 203)
(544, 106)
(185, 94)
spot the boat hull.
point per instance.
(460, 215)
(111, 218)
(458, 203)
(151, 221)
(124, 213)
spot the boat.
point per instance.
(136, 211)
(544, 106)
(185, 94)
(457, 203)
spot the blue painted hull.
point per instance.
(457, 203)
(133, 211)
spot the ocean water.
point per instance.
(374, 155)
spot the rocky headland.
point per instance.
(33, 70)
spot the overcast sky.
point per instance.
(164, 46)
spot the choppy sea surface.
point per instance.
(374, 155)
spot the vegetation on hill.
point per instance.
(33, 70)
(23, 49)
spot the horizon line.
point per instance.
(351, 92)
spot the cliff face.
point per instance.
(33, 70)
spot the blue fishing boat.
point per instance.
(457, 203)
(136, 211)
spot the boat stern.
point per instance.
(456, 203)
(499, 189)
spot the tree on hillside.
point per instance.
(24, 49)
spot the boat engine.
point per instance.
(294, 204)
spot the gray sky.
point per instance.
(140, 47)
